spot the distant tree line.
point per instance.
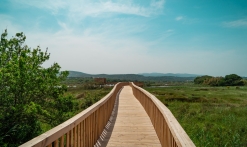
(228, 80)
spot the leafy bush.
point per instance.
(245, 81)
(233, 80)
(200, 80)
(214, 81)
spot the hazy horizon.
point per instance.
(134, 36)
(152, 73)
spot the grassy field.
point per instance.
(211, 116)
(87, 97)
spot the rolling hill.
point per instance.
(130, 77)
(168, 74)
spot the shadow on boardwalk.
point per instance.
(106, 134)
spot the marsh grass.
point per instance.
(211, 116)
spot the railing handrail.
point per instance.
(50, 136)
(179, 135)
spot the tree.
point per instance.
(228, 80)
(214, 81)
(201, 79)
(27, 90)
(245, 81)
(233, 80)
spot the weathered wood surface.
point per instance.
(129, 124)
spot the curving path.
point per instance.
(129, 125)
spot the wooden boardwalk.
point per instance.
(129, 125)
(120, 119)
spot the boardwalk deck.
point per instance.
(129, 124)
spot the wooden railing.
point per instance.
(84, 129)
(168, 130)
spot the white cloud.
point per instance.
(89, 50)
(170, 30)
(93, 8)
(64, 26)
(95, 54)
(187, 20)
(236, 23)
(179, 18)
(6, 23)
(158, 4)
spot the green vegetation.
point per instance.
(86, 97)
(81, 98)
(245, 81)
(33, 98)
(29, 93)
(211, 116)
(228, 80)
(200, 80)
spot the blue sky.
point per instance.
(134, 36)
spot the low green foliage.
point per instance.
(245, 81)
(200, 80)
(87, 97)
(211, 116)
(228, 80)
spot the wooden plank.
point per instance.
(62, 141)
(74, 137)
(130, 124)
(67, 139)
(79, 135)
(71, 139)
(56, 143)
